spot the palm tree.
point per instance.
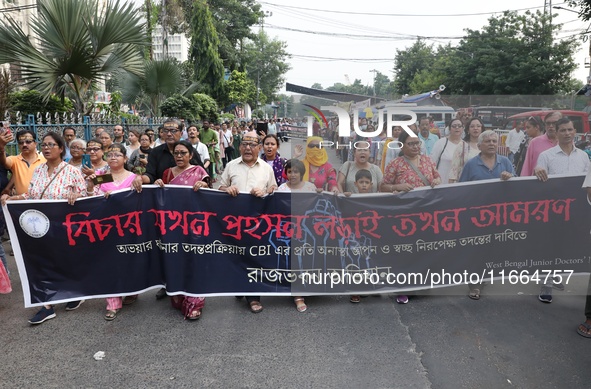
(78, 43)
(160, 79)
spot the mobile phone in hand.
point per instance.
(86, 161)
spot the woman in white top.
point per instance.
(444, 149)
(467, 149)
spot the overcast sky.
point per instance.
(379, 18)
(336, 22)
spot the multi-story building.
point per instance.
(178, 45)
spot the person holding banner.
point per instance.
(541, 143)
(53, 180)
(410, 170)
(250, 174)
(159, 160)
(187, 172)
(584, 329)
(122, 179)
(486, 165)
(564, 158)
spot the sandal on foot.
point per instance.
(128, 300)
(585, 331)
(195, 314)
(255, 306)
(355, 299)
(111, 314)
(474, 294)
(300, 304)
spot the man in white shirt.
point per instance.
(514, 139)
(561, 159)
(193, 137)
(249, 174)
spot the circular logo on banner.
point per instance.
(34, 223)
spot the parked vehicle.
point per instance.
(580, 119)
(495, 116)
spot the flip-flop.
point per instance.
(300, 305)
(474, 294)
(355, 299)
(583, 333)
(111, 314)
(255, 307)
(196, 317)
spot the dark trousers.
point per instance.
(588, 301)
(250, 299)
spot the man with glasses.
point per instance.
(249, 174)
(161, 157)
(541, 143)
(24, 164)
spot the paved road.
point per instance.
(508, 339)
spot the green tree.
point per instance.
(584, 8)
(232, 20)
(267, 63)
(356, 88)
(180, 106)
(29, 102)
(209, 70)
(240, 89)
(513, 54)
(409, 62)
(316, 85)
(382, 85)
(208, 108)
(75, 49)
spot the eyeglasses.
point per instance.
(27, 141)
(314, 146)
(170, 131)
(457, 126)
(114, 155)
(551, 123)
(413, 144)
(249, 144)
(180, 153)
(48, 145)
(93, 149)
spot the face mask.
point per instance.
(363, 127)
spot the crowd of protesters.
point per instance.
(198, 156)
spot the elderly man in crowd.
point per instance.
(249, 174)
(564, 158)
(486, 165)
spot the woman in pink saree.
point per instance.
(122, 179)
(186, 173)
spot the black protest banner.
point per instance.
(209, 243)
